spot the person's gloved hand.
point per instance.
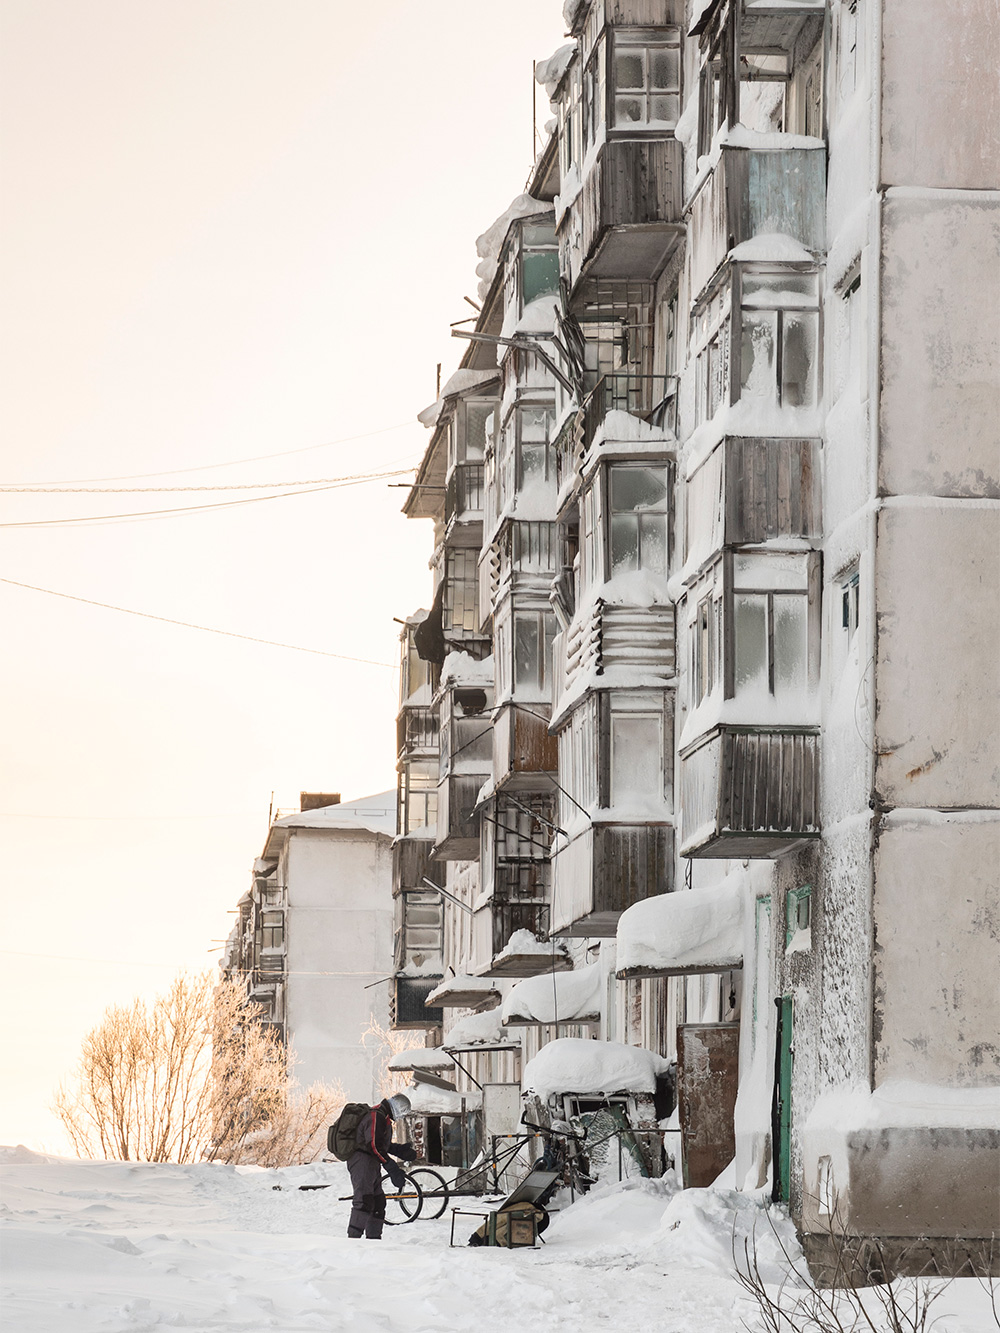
(406, 1151)
(397, 1175)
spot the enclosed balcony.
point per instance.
(749, 792)
(419, 931)
(604, 870)
(407, 1009)
(752, 191)
(522, 746)
(753, 490)
(515, 937)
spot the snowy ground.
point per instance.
(91, 1246)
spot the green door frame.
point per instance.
(781, 1104)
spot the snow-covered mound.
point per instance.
(574, 1064)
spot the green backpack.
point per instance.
(342, 1136)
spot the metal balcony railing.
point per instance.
(651, 397)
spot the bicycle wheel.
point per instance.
(403, 1205)
(434, 1189)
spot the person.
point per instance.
(367, 1162)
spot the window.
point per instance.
(637, 736)
(647, 82)
(271, 934)
(850, 603)
(533, 635)
(706, 669)
(418, 796)
(569, 122)
(461, 596)
(771, 624)
(531, 264)
(779, 337)
(593, 96)
(639, 501)
(536, 462)
(711, 339)
(798, 913)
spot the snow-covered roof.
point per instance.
(463, 992)
(683, 933)
(574, 1064)
(488, 245)
(549, 72)
(462, 380)
(556, 997)
(374, 814)
(461, 668)
(479, 1030)
(420, 1057)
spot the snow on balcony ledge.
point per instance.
(464, 992)
(480, 1032)
(597, 1068)
(427, 1100)
(431, 1058)
(555, 997)
(684, 933)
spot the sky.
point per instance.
(229, 230)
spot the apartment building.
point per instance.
(312, 941)
(705, 706)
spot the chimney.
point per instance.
(315, 800)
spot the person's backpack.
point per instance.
(342, 1136)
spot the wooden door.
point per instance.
(781, 1112)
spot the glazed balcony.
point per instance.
(752, 191)
(749, 792)
(407, 1009)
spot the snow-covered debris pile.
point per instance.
(574, 1064)
(694, 930)
(420, 1057)
(479, 1030)
(556, 997)
(549, 72)
(488, 245)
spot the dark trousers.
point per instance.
(368, 1203)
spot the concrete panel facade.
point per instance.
(941, 94)
(940, 402)
(937, 940)
(937, 588)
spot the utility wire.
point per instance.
(208, 467)
(192, 509)
(222, 486)
(207, 629)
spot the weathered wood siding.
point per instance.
(522, 744)
(772, 489)
(707, 1080)
(752, 191)
(633, 181)
(457, 822)
(637, 636)
(411, 861)
(631, 862)
(763, 785)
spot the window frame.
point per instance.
(644, 40)
(607, 482)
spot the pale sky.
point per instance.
(230, 228)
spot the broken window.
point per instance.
(647, 80)
(639, 505)
(779, 337)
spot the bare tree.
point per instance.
(196, 1074)
(384, 1043)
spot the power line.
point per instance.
(207, 629)
(193, 509)
(118, 819)
(208, 467)
(157, 490)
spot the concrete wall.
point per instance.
(339, 924)
(937, 666)
(937, 941)
(941, 94)
(940, 402)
